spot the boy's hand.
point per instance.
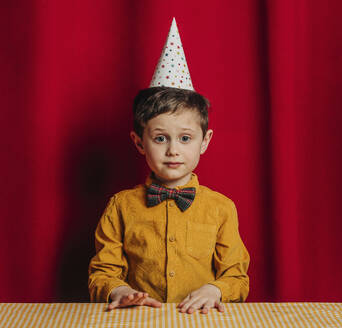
(205, 298)
(124, 296)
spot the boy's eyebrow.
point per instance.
(157, 130)
(188, 129)
(161, 129)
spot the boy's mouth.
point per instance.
(173, 165)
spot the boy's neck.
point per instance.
(178, 183)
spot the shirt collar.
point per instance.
(192, 183)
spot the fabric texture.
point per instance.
(166, 252)
(183, 197)
(251, 315)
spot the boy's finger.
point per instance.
(112, 305)
(138, 295)
(189, 306)
(206, 306)
(219, 306)
(209, 305)
(196, 305)
(205, 309)
(183, 302)
(127, 300)
(152, 302)
(180, 304)
(140, 300)
(135, 299)
(185, 306)
(130, 297)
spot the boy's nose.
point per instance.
(172, 149)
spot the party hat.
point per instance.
(172, 69)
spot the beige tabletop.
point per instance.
(259, 315)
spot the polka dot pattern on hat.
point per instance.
(172, 69)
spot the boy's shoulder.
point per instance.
(215, 196)
(128, 197)
(134, 192)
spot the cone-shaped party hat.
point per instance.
(172, 69)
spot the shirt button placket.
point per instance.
(171, 248)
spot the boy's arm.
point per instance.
(231, 260)
(108, 268)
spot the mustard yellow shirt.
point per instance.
(168, 253)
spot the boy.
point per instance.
(169, 240)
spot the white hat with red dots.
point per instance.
(172, 69)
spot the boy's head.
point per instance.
(171, 131)
(152, 102)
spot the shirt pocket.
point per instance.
(200, 239)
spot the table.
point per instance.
(304, 315)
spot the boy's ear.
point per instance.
(206, 140)
(137, 142)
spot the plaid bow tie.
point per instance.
(183, 198)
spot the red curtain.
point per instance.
(272, 71)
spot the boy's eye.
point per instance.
(185, 138)
(160, 139)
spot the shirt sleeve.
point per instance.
(231, 260)
(108, 268)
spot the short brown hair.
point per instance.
(152, 102)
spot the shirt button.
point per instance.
(171, 204)
(171, 274)
(172, 238)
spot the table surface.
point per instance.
(304, 315)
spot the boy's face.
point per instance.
(172, 145)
